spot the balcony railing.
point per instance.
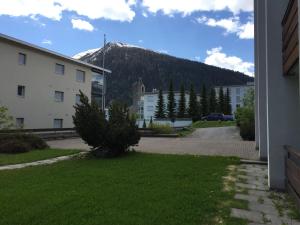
(290, 38)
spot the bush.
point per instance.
(245, 117)
(17, 143)
(162, 129)
(107, 138)
(247, 124)
(13, 147)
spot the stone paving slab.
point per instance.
(248, 215)
(261, 208)
(40, 162)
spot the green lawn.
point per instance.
(138, 189)
(205, 124)
(6, 159)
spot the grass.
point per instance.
(137, 189)
(205, 124)
(7, 159)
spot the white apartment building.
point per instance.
(150, 100)
(237, 94)
(40, 87)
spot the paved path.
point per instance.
(206, 141)
(263, 205)
(38, 163)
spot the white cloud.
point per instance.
(187, 7)
(231, 25)
(140, 41)
(82, 25)
(47, 42)
(197, 58)
(119, 10)
(216, 57)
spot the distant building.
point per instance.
(40, 87)
(150, 100)
(237, 94)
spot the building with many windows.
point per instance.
(150, 100)
(40, 87)
(237, 94)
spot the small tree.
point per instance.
(221, 101)
(144, 124)
(204, 101)
(212, 101)
(160, 106)
(6, 121)
(182, 109)
(193, 106)
(107, 138)
(227, 98)
(171, 101)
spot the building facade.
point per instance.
(277, 83)
(138, 91)
(150, 100)
(237, 94)
(40, 87)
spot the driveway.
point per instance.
(221, 141)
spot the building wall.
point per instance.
(237, 94)
(38, 107)
(150, 102)
(282, 121)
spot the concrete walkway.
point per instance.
(221, 141)
(264, 206)
(40, 162)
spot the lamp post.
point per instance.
(104, 79)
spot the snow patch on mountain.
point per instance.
(86, 53)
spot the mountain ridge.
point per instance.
(128, 63)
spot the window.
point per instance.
(22, 59)
(77, 100)
(238, 91)
(21, 91)
(238, 106)
(19, 122)
(59, 96)
(238, 99)
(58, 123)
(150, 98)
(59, 69)
(80, 76)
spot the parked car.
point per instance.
(218, 117)
(214, 117)
(228, 118)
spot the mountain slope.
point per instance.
(128, 63)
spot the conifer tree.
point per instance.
(193, 106)
(160, 106)
(212, 101)
(182, 106)
(171, 102)
(221, 101)
(204, 101)
(227, 98)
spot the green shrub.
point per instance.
(107, 138)
(245, 117)
(162, 129)
(14, 147)
(17, 143)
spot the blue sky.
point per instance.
(212, 31)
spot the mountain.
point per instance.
(128, 63)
